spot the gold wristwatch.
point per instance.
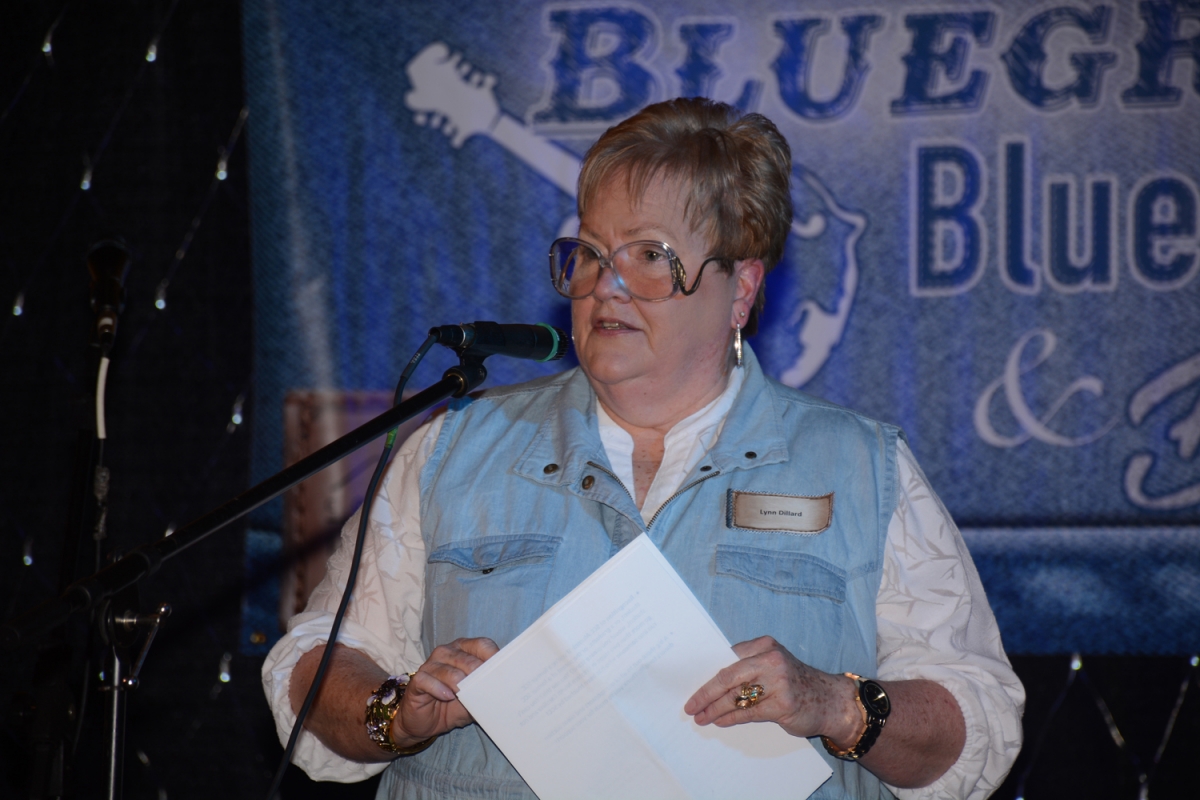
(875, 706)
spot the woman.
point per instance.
(668, 427)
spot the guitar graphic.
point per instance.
(450, 95)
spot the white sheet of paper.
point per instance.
(588, 702)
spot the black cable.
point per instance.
(365, 515)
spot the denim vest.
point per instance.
(510, 529)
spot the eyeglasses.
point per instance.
(644, 270)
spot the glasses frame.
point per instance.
(678, 273)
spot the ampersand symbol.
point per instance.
(1033, 426)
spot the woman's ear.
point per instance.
(749, 275)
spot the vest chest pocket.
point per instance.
(492, 586)
(796, 598)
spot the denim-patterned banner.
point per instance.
(995, 245)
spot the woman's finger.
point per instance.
(452, 662)
(716, 690)
(482, 647)
(755, 647)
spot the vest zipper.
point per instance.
(666, 502)
(613, 475)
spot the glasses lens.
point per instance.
(574, 267)
(646, 269)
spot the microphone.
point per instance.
(108, 264)
(540, 342)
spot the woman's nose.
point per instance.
(609, 284)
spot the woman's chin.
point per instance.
(610, 369)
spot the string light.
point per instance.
(170, 529)
(1076, 662)
(86, 182)
(27, 557)
(223, 675)
(48, 41)
(220, 174)
(19, 304)
(235, 418)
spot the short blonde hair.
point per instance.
(735, 167)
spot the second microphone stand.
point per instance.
(87, 593)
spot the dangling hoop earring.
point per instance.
(737, 346)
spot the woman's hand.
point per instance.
(924, 735)
(430, 706)
(804, 701)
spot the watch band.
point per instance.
(382, 707)
(875, 706)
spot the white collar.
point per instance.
(683, 447)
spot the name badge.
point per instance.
(779, 512)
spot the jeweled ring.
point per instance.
(750, 694)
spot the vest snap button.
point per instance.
(705, 468)
(588, 481)
(489, 570)
(550, 469)
(751, 454)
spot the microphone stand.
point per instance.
(111, 592)
(54, 715)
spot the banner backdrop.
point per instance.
(995, 243)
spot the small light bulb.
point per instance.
(1076, 662)
(170, 529)
(27, 557)
(86, 183)
(223, 675)
(19, 304)
(46, 46)
(160, 295)
(152, 52)
(1195, 660)
(236, 417)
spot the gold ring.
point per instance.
(750, 694)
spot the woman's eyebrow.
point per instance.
(643, 229)
(628, 235)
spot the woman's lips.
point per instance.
(611, 326)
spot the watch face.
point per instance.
(875, 699)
